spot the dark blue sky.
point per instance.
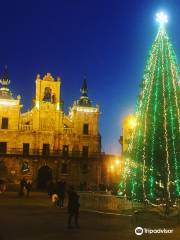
(107, 39)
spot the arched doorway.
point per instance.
(44, 176)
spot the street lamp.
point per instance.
(117, 162)
(132, 122)
(112, 168)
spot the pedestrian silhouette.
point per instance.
(61, 187)
(22, 187)
(28, 188)
(73, 207)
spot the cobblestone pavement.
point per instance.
(37, 219)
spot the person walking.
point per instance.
(50, 188)
(22, 187)
(61, 188)
(73, 207)
(28, 188)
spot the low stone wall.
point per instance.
(105, 202)
(99, 201)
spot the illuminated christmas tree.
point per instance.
(152, 161)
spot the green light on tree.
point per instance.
(154, 150)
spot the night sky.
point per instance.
(108, 40)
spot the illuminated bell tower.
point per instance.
(9, 107)
(47, 91)
(85, 118)
(84, 100)
(47, 103)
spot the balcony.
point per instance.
(67, 131)
(50, 154)
(26, 127)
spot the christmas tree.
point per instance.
(152, 161)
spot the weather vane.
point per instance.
(161, 18)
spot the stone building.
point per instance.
(129, 122)
(45, 143)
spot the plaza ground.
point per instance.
(37, 219)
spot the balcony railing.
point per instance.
(51, 153)
(67, 130)
(26, 127)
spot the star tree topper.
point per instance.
(161, 18)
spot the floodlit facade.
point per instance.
(45, 143)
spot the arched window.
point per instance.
(47, 94)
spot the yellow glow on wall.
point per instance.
(85, 109)
(57, 107)
(112, 168)
(117, 162)
(5, 102)
(37, 104)
(132, 122)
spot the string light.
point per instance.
(165, 118)
(155, 137)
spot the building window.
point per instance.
(3, 147)
(65, 151)
(86, 129)
(64, 168)
(4, 124)
(25, 149)
(46, 149)
(85, 151)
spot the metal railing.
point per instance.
(67, 130)
(49, 153)
(26, 127)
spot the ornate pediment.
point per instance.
(48, 77)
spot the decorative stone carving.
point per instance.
(48, 77)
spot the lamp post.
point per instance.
(114, 170)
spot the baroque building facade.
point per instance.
(44, 143)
